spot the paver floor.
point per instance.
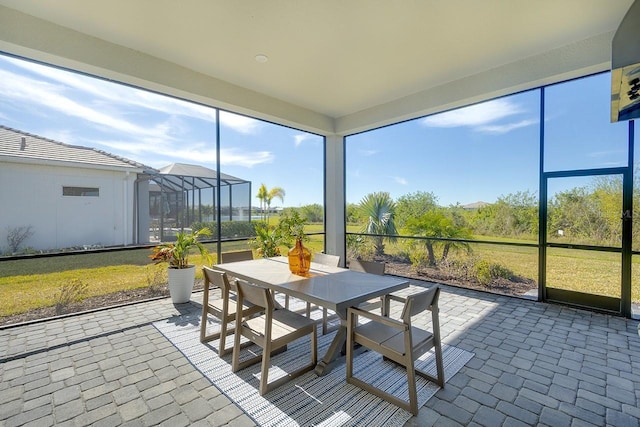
(534, 364)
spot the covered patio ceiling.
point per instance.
(334, 66)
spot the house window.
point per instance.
(81, 191)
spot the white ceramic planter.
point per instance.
(181, 282)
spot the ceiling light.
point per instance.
(261, 58)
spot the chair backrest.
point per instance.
(367, 266)
(256, 295)
(417, 303)
(326, 259)
(236, 256)
(216, 278)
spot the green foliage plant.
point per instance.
(228, 228)
(359, 247)
(314, 213)
(486, 272)
(270, 238)
(291, 226)
(177, 253)
(437, 225)
(379, 211)
(417, 254)
(267, 241)
(414, 205)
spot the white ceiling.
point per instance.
(333, 65)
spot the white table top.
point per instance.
(331, 287)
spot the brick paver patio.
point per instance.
(534, 364)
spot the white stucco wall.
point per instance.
(31, 195)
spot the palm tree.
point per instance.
(274, 192)
(379, 209)
(435, 224)
(262, 196)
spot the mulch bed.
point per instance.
(393, 266)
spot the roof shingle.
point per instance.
(19, 144)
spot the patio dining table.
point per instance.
(334, 288)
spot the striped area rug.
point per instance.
(308, 400)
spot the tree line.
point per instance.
(589, 214)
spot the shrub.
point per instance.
(486, 272)
(74, 291)
(157, 279)
(17, 235)
(229, 228)
(463, 268)
(359, 247)
(418, 257)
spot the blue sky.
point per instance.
(476, 153)
(488, 150)
(157, 130)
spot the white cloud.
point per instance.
(607, 153)
(242, 124)
(124, 98)
(368, 153)
(155, 153)
(50, 96)
(474, 115)
(500, 129)
(400, 180)
(231, 157)
(301, 137)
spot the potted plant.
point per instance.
(181, 273)
(267, 241)
(292, 230)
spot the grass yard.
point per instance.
(568, 269)
(29, 284)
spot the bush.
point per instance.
(17, 235)
(359, 247)
(415, 252)
(157, 278)
(418, 257)
(229, 228)
(462, 268)
(74, 291)
(486, 272)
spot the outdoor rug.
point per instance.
(308, 400)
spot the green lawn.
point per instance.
(32, 283)
(28, 284)
(569, 269)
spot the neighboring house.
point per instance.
(81, 197)
(70, 196)
(475, 205)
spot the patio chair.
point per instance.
(332, 261)
(371, 267)
(398, 341)
(271, 331)
(245, 255)
(223, 308)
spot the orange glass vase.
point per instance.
(299, 259)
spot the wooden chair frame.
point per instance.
(271, 331)
(398, 341)
(245, 255)
(223, 308)
(371, 267)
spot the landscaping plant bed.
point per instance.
(394, 266)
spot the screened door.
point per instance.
(586, 258)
